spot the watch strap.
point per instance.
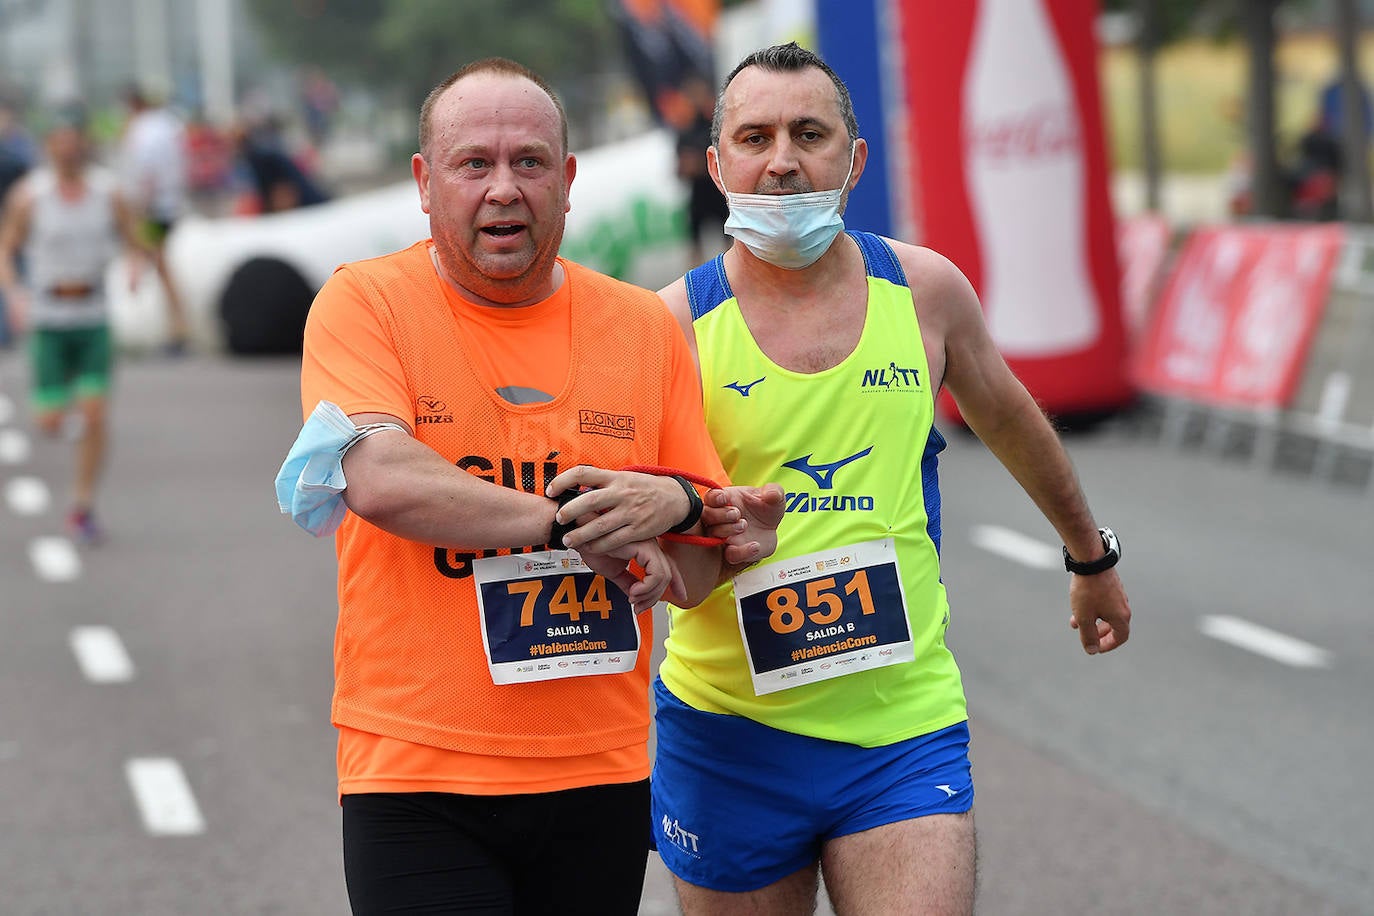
(1110, 544)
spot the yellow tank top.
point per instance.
(818, 643)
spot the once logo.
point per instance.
(601, 423)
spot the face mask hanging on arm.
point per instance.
(790, 231)
(311, 478)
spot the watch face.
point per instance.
(1109, 541)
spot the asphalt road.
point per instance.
(165, 745)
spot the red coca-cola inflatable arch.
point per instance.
(989, 121)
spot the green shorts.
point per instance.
(154, 231)
(69, 361)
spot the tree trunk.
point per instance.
(1147, 41)
(1267, 188)
(1355, 190)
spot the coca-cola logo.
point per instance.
(1045, 131)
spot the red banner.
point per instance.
(1142, 243)
(1237, 315)
(1008, 178)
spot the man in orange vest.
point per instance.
(492, 689)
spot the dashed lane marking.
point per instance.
(14, 447)
(27, 496)
(1263, 641)
(164, 798)
(54, 559)
(1017, 547)
(101, 655)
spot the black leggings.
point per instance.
(579, 851)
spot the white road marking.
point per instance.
(1016, 546)
(101, 655)
(1264, 641)
(14, 447)
(6, 409)
(164, 797)
(54, 559)
(27, 496)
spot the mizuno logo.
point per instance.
(744, 387)
(949, 793)
(823, 474)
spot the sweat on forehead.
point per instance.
(468, 82)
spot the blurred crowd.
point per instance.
(171, 162)
(266, 160)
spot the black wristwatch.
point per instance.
(1101, 564)
(694, 506)
(558, 528)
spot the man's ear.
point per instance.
(713, 167)
(860, 160)
(420, 170)
(569, 173)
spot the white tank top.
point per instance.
(70, 245)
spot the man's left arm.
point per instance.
(1006, 418)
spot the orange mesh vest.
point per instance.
(408, 655)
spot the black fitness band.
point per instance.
(694, 506)
(559, 529)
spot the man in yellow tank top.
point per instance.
(810, 718)
(491, 687)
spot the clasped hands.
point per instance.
(620, 515)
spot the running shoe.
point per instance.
(83, 528)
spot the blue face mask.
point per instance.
(790, 231)
(311, 479)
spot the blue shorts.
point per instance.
(738, 805)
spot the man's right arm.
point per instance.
(395, 481)
(14, 228)
(406, 488)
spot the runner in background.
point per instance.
(70, 220)
(153, 153)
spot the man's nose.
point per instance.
(503, 189)
(783, 160)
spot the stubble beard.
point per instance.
(513, 278)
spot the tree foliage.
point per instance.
(406, 46)
(1173, 18)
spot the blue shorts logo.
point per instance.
(674, 833)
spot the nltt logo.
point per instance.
(891, 378)
(674, 833)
